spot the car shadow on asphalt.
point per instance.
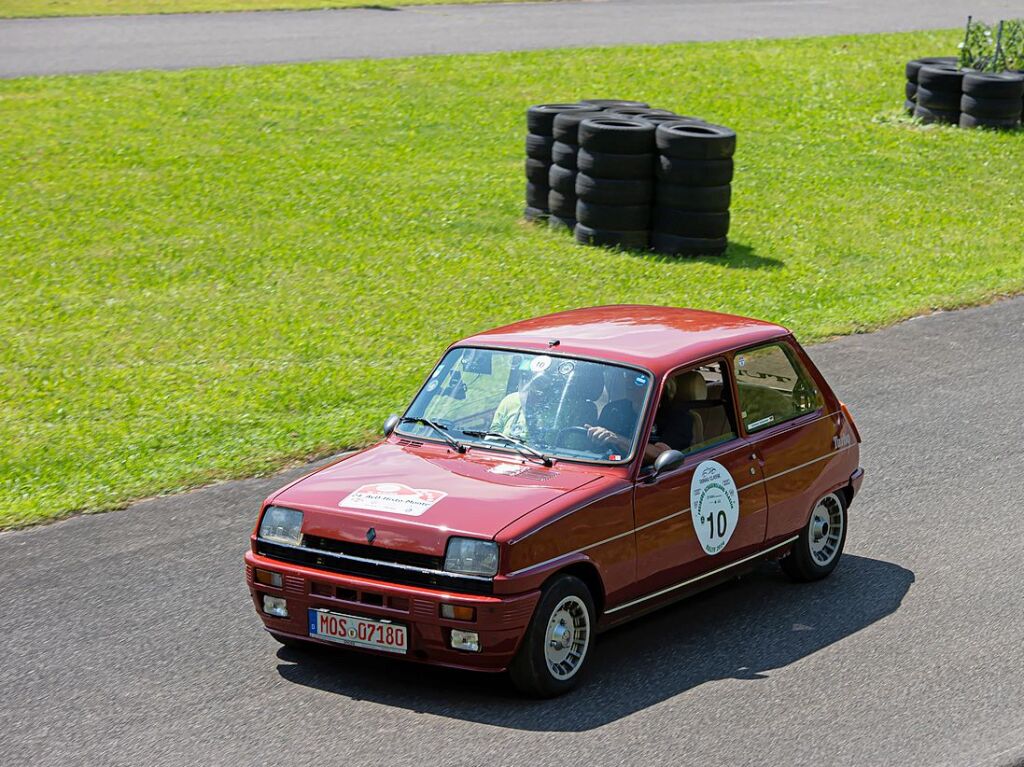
(740, 630)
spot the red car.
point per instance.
(556, 477)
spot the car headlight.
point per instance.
(282, 525)
(470, 556)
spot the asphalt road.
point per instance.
(128, 637)
(52, 46)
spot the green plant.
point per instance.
(992, 47)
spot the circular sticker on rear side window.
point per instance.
(714, 506)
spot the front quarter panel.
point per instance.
(595, 528)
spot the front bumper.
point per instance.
(500, 621)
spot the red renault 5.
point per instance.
(556, 477)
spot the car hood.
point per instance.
(414, 498)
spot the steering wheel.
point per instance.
(574, 438)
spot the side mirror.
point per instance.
(667, 461)
(391, 424)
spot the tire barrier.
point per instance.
(623, 174)
(614, 203)
(992, 100)
(912, 68)
(939, 91)
(540, 120)
(694, 188)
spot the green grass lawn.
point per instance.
(27, 8)
(210, 273)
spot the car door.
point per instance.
(712, 509)
(783, 414)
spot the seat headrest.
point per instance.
(690, 387)
(587, 383)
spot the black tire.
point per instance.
(688, 223)
(929, 116)
(608, 103)
(695, 141)
(537, 171)
(618, 135)
(939, 78)
(540, 118)
(674, 245)
(562, 179)
(537, 195)
(908, 107)
(998, 109)
(914, 66)
(620, 218)
(608, 165)
(658, 119)
(539, 147)
(564, 154)
(694, 172)
(709, 199)
(940, 100)
(567, 125)
(561, 222)
(800, 564)
(640, 112)
(994, 85)
(529, 669)
(534, 214)
(970, 121)
(614, 191)
(607, 238)
(910, 91)
(562, 205)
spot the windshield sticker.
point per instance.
(431, 386)
(437, 372)
(761, 422)
(565, 368)
(392, 497)
(741, 361)
(540, 364)
(640, 380)
(714, 506)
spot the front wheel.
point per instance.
(816, 552)
(557, 642)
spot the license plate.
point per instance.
(359, 632)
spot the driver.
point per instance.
(619, 417)
(518, 411)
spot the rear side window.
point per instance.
(773, 387)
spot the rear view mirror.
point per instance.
(390, 424)
(667, 461)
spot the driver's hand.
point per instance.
(599, 433)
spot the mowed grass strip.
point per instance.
(208, 274)
(34, 8)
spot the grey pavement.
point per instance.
(53, 46)
(128, 638)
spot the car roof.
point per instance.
(655, 337)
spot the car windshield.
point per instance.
(538, 404)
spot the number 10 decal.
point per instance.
(714, 506)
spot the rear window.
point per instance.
(773, 387)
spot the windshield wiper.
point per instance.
(442, 430)
(520, 445)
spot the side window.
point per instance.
(773, 387)
(695, 411)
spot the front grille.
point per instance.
(373, 552)
(391, 572)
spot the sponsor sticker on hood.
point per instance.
(392, 497)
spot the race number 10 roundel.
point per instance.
(714, 506)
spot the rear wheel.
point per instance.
(816, 552)
(557, 643)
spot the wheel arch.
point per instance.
(587, 572)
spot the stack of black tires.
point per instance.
(992, 100)
(562, 177)
(694, 188)
(623, 174)
(615, 183)
(912, 69)
(938, 91)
